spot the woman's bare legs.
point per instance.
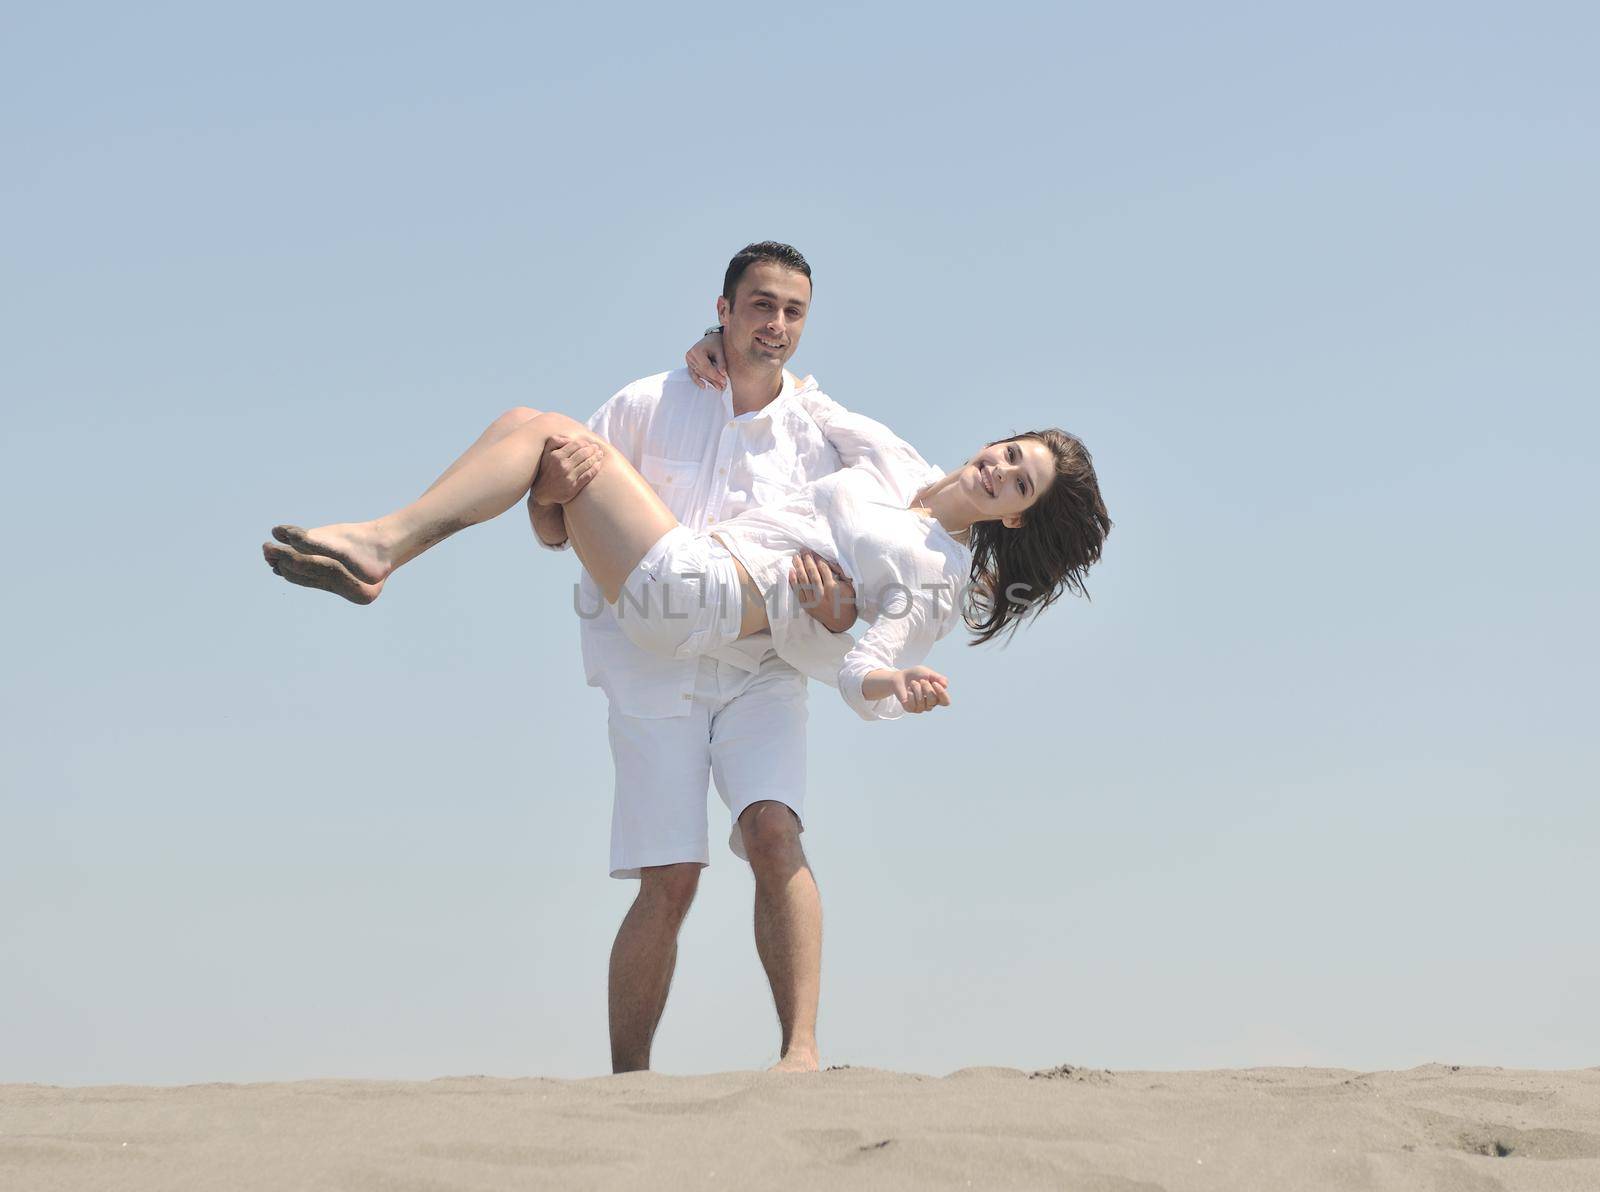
(612, 522)
(496, 430)
(325, 573)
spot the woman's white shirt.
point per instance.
(909, 573)
(708, 466)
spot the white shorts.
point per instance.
(683, 599)
(746, 731)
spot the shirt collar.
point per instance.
(791, 387)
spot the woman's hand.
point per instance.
(705, 361)
(921, 689)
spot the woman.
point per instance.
(992, 542)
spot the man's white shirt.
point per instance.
(707, 466)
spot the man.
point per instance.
(737, 717)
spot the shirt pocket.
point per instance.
(674, 481)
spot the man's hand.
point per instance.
(549, 523)
(568, 464)
(921, 689)
(825, 593)
(705, 361)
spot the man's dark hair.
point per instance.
(768, 250)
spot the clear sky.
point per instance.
(1308, 781)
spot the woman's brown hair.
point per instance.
(1017, 574)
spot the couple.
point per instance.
(699, 517)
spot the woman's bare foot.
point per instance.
(318, 571)
(352, 543)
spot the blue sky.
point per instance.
(1311, 779)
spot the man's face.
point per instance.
(763, 325)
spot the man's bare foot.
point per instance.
(318, 571)
(797, 1059)
(351, 543)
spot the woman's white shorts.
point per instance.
(683, 599)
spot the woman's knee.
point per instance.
(548, 422)
(514, 418)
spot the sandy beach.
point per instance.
(1444, 1127)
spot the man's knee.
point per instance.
(771, 833)
(670, 886)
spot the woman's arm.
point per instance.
(859, 441)
(918, 688)
(864, 442)
(705, 362)
(882, 679)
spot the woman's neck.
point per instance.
(942, 501)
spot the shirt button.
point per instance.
(709, 520)
(686, 695)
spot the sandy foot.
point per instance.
(351, 543)
(318, 571)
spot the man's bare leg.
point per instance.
(788, 923)
(643, 959)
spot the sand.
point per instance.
(1437, 1127)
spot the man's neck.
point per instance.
(754, 389)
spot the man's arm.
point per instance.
(549, 524)
(825, 593)
(565, 469)
(569, 464)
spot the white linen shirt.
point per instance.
(909, 572)
(707, 466)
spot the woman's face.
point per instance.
(1004, 479)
